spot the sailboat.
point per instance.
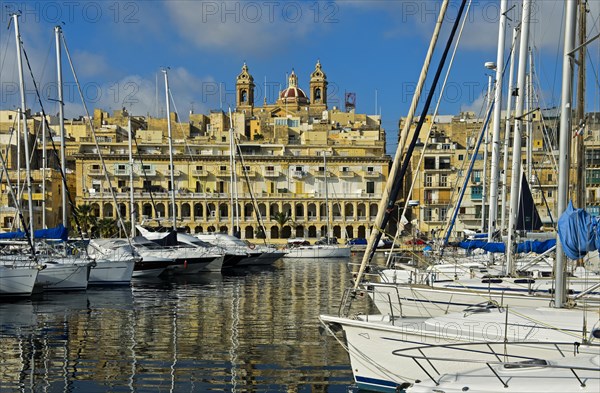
(324, 248)
(373, 341)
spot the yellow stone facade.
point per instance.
(281, 168)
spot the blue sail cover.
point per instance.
(57, 233)
(536, 246)
(578, 232)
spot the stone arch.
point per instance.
(299, 231)
(299, 210)
(361, 210)
(323, 211)
(223, 210)
(223, 229)
(249, 232)
(337, 231)
(373, 208)
(211, 210)
(323, 231)
(160, 210)
(287, 208)
(95, 210)
(198, 229)
(349, 210)
(349, 232)
(170, 212)
(262, 208)
(248, 209)
(273, 209)
(123, 210)
(286, 232)
(198, 211)
(274, 232)
(107, 210)
(312, 231)
(312, 210)
(147, 210)
(211, 229)
(362, 232)
(186, 210)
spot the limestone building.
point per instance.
(279, 168)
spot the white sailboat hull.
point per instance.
(108, 272)
(318, 251)
(63, 276)
(558, 376)
(17, 281)
(417, 300)
(372, 341)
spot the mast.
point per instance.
(564, 142)
(486, 143)
(61, 122)
(326, 196)
(507, 128)
(232, 176)
(494, 167)
(530, 119)
(23, 118)
(580, 109)
(396, 165)
(170, 138)
(44, 170)
(131, 163)
(516, 150)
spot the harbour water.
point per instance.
(247, 331)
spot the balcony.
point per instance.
(371, 174)
(95, 172)
(200, 172)
(146, 172)
(223, 173)
(298, 174)
(271, 173)
(346, 174)
(247, 172)
(176, 172)
(429, 202)
(121, 172)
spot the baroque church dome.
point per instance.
(293, 94)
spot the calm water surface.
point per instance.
(246, 331)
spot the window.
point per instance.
(223, 139)
(476, 192)
(222, 168)
(299, 168)
(443, 180)
(445, 146)
(476, 176)
(199, 167)
(427, 214)
(370, 187)
(146, 167)
(443, 213)
(147, 184)
(444, 162)
(428, 180)
(95, 167)
(321, 169)
(370, 169)
(550, 194)
(549, 176)
(461, 157)
(246, 168)
(270, 168)
(429, 162)
(121, 167)
(345, 169)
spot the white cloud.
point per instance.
(90, 64)
(245, 27)
(146, 95)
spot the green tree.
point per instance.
(281, 219)
(107, 227)
(84, 214)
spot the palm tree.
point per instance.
(281, 219)
(84, 215)
(107, 227)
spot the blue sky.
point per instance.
(374, 49)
